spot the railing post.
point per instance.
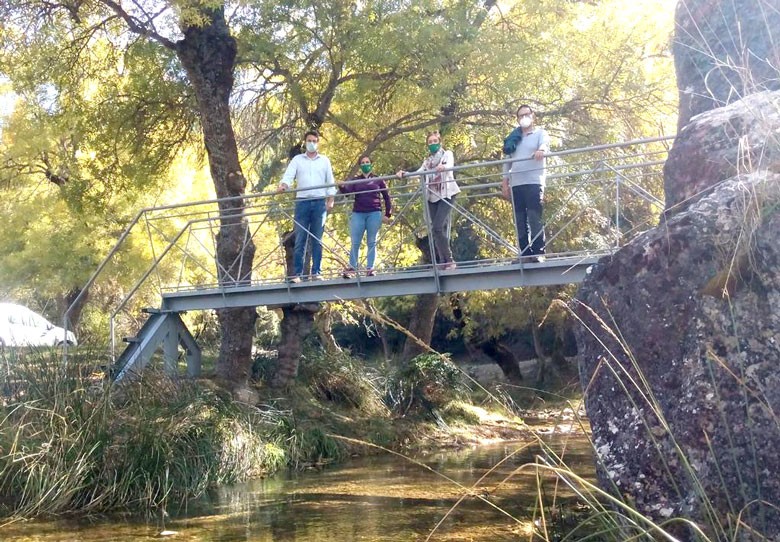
(514, 213)
(429, 229)
(113, 339)
(617, 211)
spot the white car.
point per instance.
(19, 326)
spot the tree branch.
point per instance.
(135, 26)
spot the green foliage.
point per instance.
(266, 328)
(71, 444)
(306, 444)
(340, 379)
(100, 120)
(425, 384)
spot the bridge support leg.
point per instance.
(190, 345)
(171, 347)
(166, 329)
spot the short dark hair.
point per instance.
(364, 156)
(311, 132)
(531, 109)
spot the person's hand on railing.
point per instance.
(282, 188)
(538, 155)
(400, 174)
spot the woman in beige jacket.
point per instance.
(440, 192)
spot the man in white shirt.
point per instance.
(313, 200)
(526, 178)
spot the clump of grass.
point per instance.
(341, 379)
(69, 443)
(425, 384)
(307, 445)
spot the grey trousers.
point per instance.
(439, 212)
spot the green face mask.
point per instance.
(434, 147)
(365, 167)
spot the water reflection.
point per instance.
(383, 498)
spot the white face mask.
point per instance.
(525, 122)
(311, 146)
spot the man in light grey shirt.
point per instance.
(525, 179)
(313, 200)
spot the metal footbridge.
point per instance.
(596, 198)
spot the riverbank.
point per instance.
(378, 498)
(70, 445)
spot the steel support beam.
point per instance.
(566, 270)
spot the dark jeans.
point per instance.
(310, 217)
(527, 202)
(439, 212)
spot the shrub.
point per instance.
(425, 383)
(70, 443)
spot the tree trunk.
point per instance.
(323, 323)
(424, 313)
(504, 358)
(297, 323)
(208, 54)
(541, 358)
(75, 315)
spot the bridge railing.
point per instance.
(595, 199)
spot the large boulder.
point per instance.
(724, 50)
(679, 347)
(726, 142)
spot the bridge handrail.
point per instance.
(192, 221)
(257, 195)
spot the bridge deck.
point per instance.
(469, 277)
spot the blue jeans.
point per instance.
(359, 224)
(309, 225)
(527, 201)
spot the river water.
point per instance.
(379, 498)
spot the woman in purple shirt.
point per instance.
(366, 215)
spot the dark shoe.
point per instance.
(370, 272)
(348, 273)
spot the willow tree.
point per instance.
(340, 67)
(189, 37)
(462, 65)
(596, 72)
(83, 145)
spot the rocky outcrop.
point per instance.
(679, 347)
(724, 51)
(728, 141)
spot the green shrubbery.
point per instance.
(69, 445)
(425, 384)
